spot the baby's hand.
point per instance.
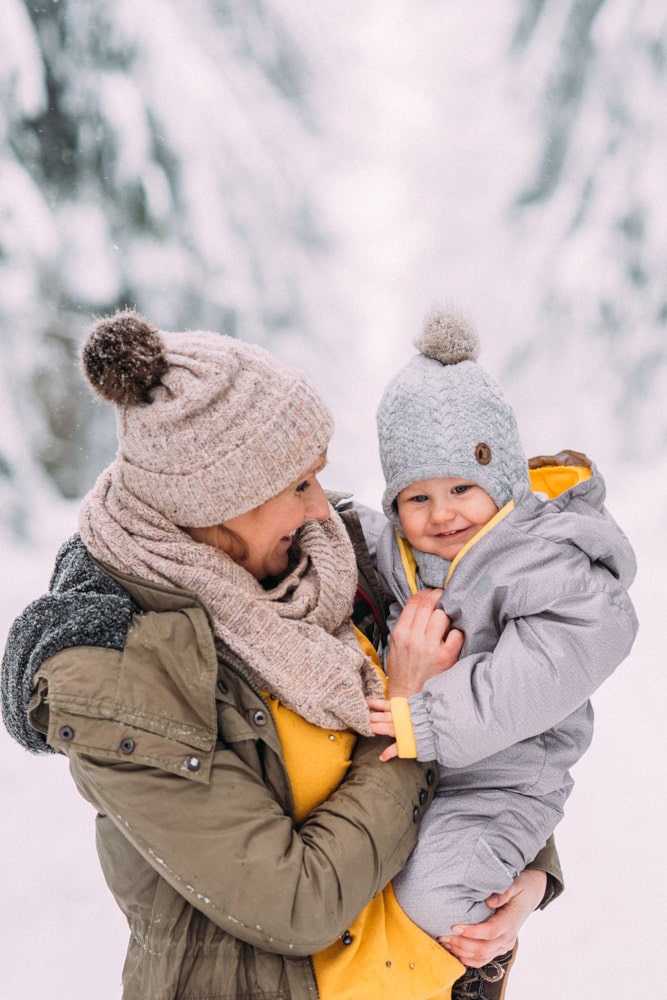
(381, 721)
(382, 724)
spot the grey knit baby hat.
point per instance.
(208, 427)
(443, 416)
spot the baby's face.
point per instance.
(440, 515)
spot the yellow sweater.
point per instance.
(387, 955)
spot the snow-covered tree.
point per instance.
(313, 177)
(152, 154)
(595, 74)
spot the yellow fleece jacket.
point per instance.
(383, 954)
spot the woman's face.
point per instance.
(267, 531)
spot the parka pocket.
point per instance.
(73, 730)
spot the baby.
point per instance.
(535, 575)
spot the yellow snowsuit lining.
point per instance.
(387, 954)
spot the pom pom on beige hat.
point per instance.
(209, 427)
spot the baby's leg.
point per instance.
(451, 872)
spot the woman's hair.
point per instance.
(216, 535)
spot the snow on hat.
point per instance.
(443, 416)
(208, 427)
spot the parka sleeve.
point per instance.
(230, 850)
(547, 861)
(544, 667)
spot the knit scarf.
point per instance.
(296, 639)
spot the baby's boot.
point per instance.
(487, 983)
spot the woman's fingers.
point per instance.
(477, 944)
(417, 613)
(480, 943)
(422, 644)
(452, 647)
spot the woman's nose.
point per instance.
(317, 505)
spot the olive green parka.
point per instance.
(178, 754)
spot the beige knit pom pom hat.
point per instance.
(208, 427)
(442, 416)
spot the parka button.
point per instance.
(192, 763)
(346, 938)
(259, 718)
(222, 687)
(423, 795)
(66, 733)
(415, 814)
(127, 746)
(430, 776)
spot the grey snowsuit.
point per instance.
(541, 598)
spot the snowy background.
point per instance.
(314, 177)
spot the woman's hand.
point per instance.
(422, 645)
(477, 944)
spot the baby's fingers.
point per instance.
(391, 751)
(382, 727)
(379, 704)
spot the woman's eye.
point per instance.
(302, 487)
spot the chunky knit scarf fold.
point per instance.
(297, 639)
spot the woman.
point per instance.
(196, 661)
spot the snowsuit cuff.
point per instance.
(400, 716)
(421, 727)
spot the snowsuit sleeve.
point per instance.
(545, 666)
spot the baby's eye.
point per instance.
(419, 498)
(461, 488)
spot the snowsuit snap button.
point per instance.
(66, 733)
(259, 718)
(127, 746)
(415, 814)
(430, 777)
(346, 938)
(423, 795)
(192, 763)
(222, 687)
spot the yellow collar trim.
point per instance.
(549, 479)
(502, 513)
(408, 560)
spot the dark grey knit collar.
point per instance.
(432, 569)
(84, 607)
